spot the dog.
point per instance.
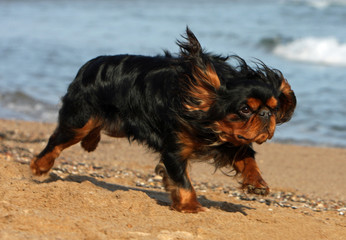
(193, 105)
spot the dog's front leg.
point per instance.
(252, 179)
(176, 180)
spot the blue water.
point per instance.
(44, 42)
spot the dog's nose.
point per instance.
(264, 113)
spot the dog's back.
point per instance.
(136, 92)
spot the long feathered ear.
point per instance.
(201, 85)
(201, 90)
(287, 103)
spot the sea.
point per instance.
(43, 43)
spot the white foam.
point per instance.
(327, 51)
(322, 4)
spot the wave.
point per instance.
(328, 51)
(322, 4)
(19, 105)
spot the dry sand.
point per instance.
(113, 193)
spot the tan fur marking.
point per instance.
(272, 127)
(46, 162)
(186, 196)
(251, 175)
(272, 102)
(188, 145)
(212, 77)
(287, 102)
(185, 200)
(285, 87)
(203, 91)
(254, 130)
(86, 129)
(254, 103)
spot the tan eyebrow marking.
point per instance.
(254, 103)
(272, 103)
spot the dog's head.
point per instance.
(249, 110)
(239, 104)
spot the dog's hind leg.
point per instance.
(90, 141)
(167, 182)
(63, 137)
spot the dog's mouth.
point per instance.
(240, 139)
(243, 138)
(261, 138)
(234, 139)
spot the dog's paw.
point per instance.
(257, 186)
(189, 208)
(257, 190)
(39, 168)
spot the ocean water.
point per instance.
(44, 42)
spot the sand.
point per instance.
(113, 193)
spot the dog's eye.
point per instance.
(245, 110)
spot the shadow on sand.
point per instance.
(162, 198)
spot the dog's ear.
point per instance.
(287, 102)
(201, 90)
(202, 82)
(191, 49)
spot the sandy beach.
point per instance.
(113, 193)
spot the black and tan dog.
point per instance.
(192, 106)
